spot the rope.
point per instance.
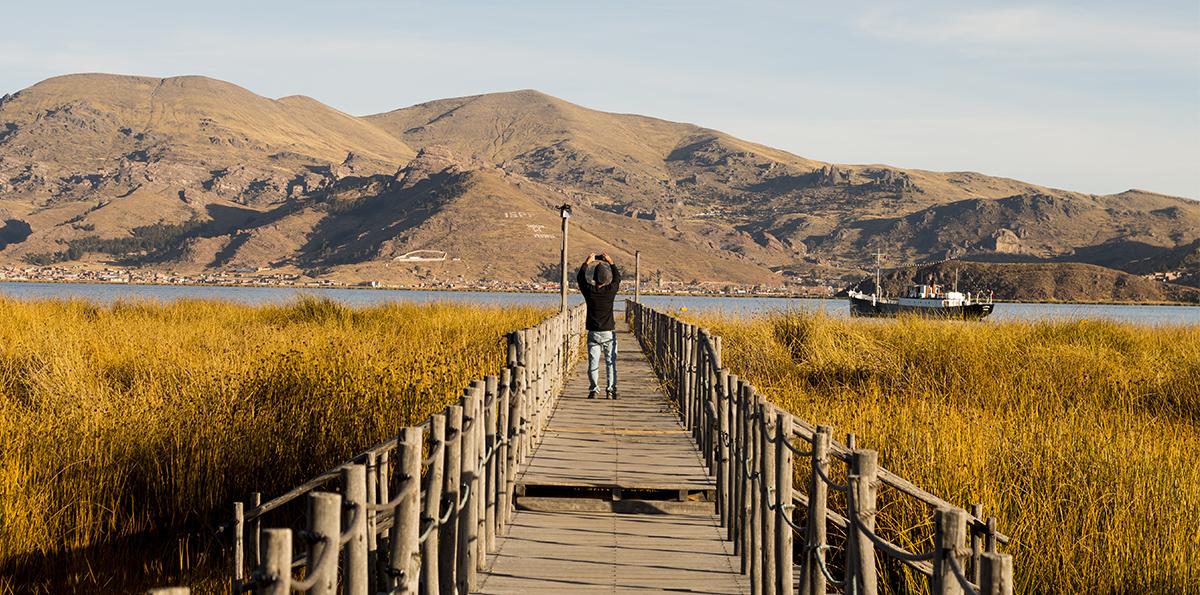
(825, 478)
(433, 524)
(318, 570)
(401, 492)
(968, 586)
(462, 503)
(785, 513)
(796, 450)
(821, 564)
(434, 453)
(450, 510)
(888, 548)
(348, 535)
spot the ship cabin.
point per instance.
(932, 296)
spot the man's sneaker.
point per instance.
(612, 394)
(592, 395)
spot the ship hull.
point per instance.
(868, 308)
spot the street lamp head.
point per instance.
(565, 210)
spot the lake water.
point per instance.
(106, 293)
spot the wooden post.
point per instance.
(277, 561)
(976, 541)
(748, 525)
(783, 498)
(502, 436)
(514, 439)
(239, 556)
(756, 511)
(865, 467)
(325, 524)
(480, 495)
(996, 577)
(722, 457)
(383, 469)
(949, 540)
(742, 546)
(354, 564)
(812, 579)
(451, 486)
(468, 527)
(637, 276)
(406, 520)
(729, 388)
(990, 537)
(255, 538)
(372, 533)
(429, 583)
(767, 469)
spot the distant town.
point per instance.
(268, 278)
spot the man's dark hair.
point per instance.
(603, 274)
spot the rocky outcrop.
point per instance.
(832, 175)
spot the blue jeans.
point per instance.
(602, 343)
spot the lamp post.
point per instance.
(565, 210)
(637, 276)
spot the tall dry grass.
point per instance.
(127, 431)
(1082, 437)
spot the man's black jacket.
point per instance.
(599, 299)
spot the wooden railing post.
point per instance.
(354, 562)
(255, 536)
(756, 512)
(767, 469)
(479, 495)
(722, 456)
(373, 557)
(729, 456)
(406, 519)
(950, 526)
(996, 576)
(742, 547)
(277, 562)
(325, 526)
(467, 526)
(503, 436)
(783, 497)
(864, 466)
(451, 491)
(239, 556)
(812, 578)
(976, 541)
(492, 492)
(429, 580)
(514, 440)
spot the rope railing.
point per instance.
(746, 442)
(409, 517)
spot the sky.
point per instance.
(1095, 96)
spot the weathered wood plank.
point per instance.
(633, 445)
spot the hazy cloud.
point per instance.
(1062, 36)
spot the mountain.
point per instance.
(194, 174)
(1037, 282)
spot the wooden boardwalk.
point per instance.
(616, 499)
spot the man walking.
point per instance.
(599, 280)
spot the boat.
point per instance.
(921, 300)
(929, 300)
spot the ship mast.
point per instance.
(878, 259)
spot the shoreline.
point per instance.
(555, 293)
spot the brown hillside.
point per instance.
(1065, 282)
(196, 174)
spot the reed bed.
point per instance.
(1083, 437)
(127, 430)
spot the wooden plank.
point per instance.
(631, 444)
